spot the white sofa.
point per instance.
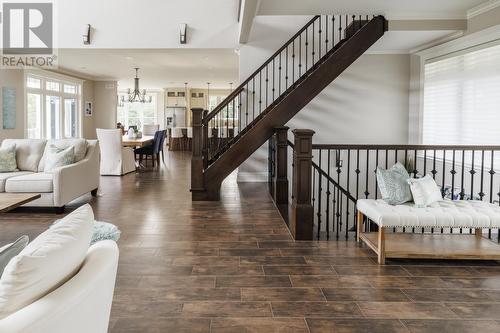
(60, 186)
(80, 305)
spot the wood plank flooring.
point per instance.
(231, 267)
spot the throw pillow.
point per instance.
(105, 231)
(9, 251)
(425, 191)
(8, 159)
(47, 262)
(58, 157)
(393, 184)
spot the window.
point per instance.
(462, 99)
(137, 114)
(227, 113)
(50, 112)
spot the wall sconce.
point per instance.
(86, 34)
(183, 29)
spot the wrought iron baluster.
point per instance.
(327, 212)
(348, 192)
(367, 167)
(375, 173)
(320, 188)
(481, 192)
(462, 187)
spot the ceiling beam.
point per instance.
(427, 25)
(248, 11)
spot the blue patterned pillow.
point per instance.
(393, 184)
(58, 157)
(8, 159)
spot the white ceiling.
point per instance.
(158, 68)
(407, 41)
(392, 9)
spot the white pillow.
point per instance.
(425, 191)
(56, 157)
(47, 262)
(79, 144)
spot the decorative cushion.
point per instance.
(28, 152)
(47, 262)
(8, 159)
(80, 146)
(34, 182)
(9, 251)
(393, 184)
(6, 175)
(445, 213)
(56, 157)
(105, 231)
(425, 191)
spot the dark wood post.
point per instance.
(197, 180)
(302, 220)
(280, 185)
(205, 141)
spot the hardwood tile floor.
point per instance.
(231, 266)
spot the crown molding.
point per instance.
(483, 8)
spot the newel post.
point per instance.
(197, 182)
(280, 185)
(302, 220)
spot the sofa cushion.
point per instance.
(80, 146)
(35, 182)
(47, 262)
(28, 152)
(6, 175)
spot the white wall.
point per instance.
(105, 103)
(149, 24)
(368, 103)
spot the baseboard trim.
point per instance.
(252, 177)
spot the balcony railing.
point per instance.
(341, 174)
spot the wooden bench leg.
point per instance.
(359, 226)
(479, 232)
(381, 246)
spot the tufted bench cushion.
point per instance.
(446, 213)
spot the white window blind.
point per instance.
(462, 99)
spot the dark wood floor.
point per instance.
(232, 267)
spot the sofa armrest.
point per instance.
(74, 180)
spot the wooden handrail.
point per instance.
(241, 87)
(403, 147)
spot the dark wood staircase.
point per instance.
(274, 94)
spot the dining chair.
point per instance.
(116, 160)
(176, 136)
(154, 149)
(150, 129)
(189, 138)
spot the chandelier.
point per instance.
(136, 95)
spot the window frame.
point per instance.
(43, 92)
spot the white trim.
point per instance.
(483, 8)
(388, 52)
(464, 42)
(252, 177)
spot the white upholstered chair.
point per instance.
(116, 160)
(80, 305)
(150, 129)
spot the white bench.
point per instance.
(476, 215)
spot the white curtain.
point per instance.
(462, 99)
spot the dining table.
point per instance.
(145, 140)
